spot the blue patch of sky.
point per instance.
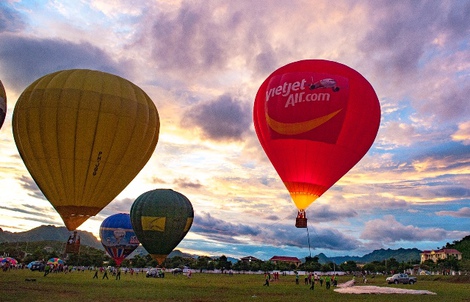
(425, 216)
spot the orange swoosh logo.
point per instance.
(301, 127)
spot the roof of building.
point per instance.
(285, 259)
(249, 258)
(445, 251)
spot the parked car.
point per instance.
(155, 273)
(36, 266)
(401, 278)
(177, 271)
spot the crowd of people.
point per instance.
(309, 279)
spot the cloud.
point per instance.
(327, 213)
(218, 229)
(388, 231)
(271, 235)
(461, 213)
(185, 183)
(10, 19)
(463, 134)
(31, 187)
(399, 134)
(24, 209)
(222, 119)
(23, 60)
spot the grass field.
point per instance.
(80, 286)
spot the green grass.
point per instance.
(80, 286)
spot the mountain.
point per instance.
(61, 234)
(48, 233)
(401, 255)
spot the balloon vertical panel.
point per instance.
(84, 135)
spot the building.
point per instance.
(249, 259)
(441, 254)
(289, 260)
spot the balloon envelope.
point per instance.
(3, 104)
(117, 236)
(84, 135)
(161, 219)
(315, 119)
(55, 261)
(10, 260)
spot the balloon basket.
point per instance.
(301, 223)
(73, 244)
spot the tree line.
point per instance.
(26, 252)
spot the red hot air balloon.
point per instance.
(315, 119)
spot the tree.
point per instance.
(139, 261)
(223, 264)
(349, 266)
(202, 262)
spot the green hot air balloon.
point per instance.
(160, 219)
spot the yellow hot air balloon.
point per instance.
(84, 135)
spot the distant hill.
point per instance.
(462, 246)
(401, 255)
(49, 233)
(61, 234)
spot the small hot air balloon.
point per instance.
(3, 104)
(161, 219)
(84, 135)
(118, 237)
(315, 119)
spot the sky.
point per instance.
(202, 62)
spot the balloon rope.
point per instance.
(308, 239)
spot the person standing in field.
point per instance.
(118, 274)
(105, 274)
(47, 269)
(266, 278)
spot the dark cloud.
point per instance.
(23, 60)
(193, 39)
(198, 40)
(326, 213)
(405, 31)
(185, 183)
(326, 238)
(218, 229)
(224, 118)
(272, 217)
(30, 186)
(24, 209)
(117, 206)
(388, 230)
(270, 235)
